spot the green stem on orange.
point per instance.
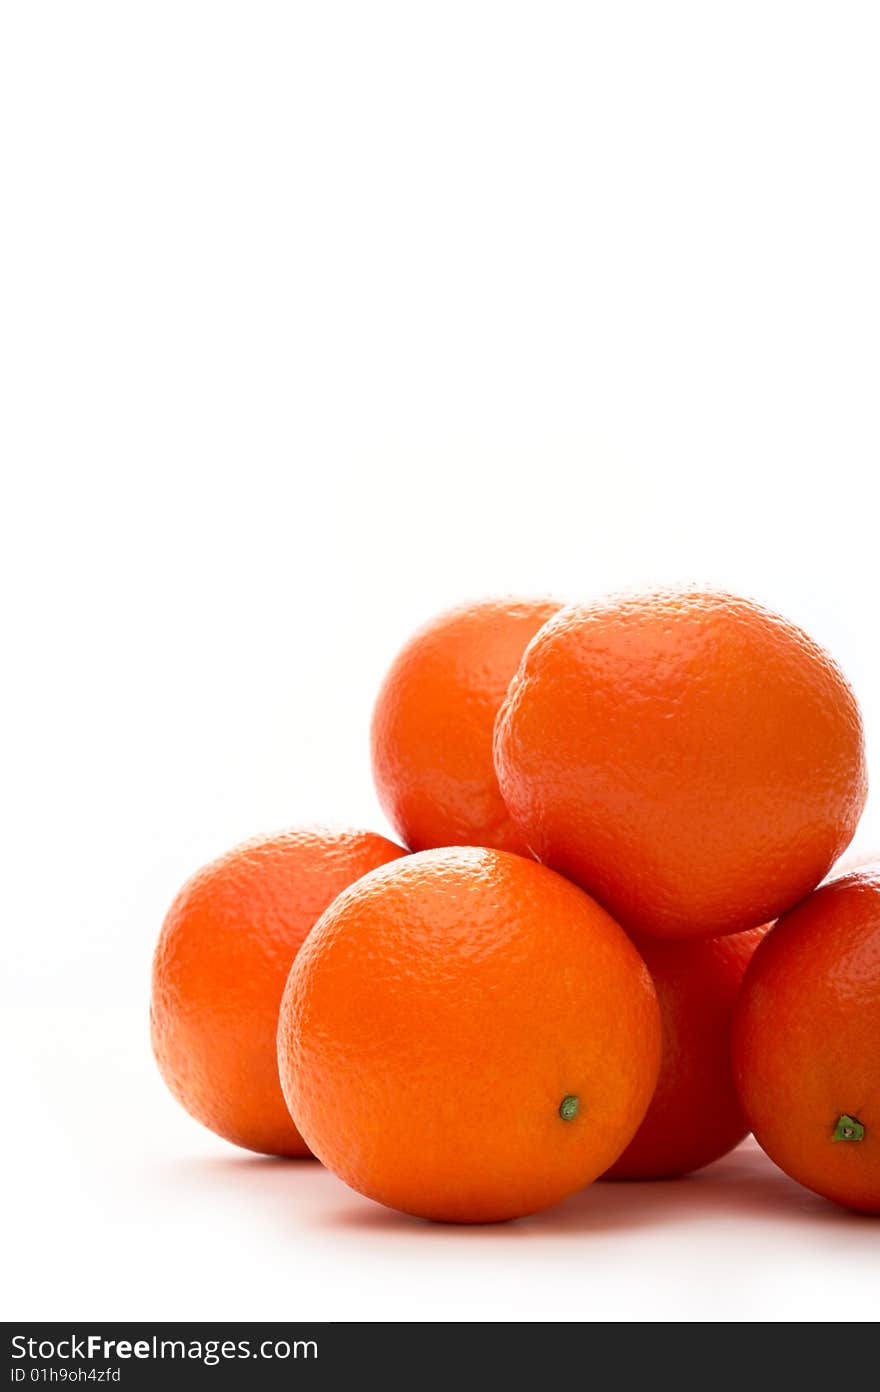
(569, 1107)
(848, 1129)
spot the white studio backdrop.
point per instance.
(317, 319)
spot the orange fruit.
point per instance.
(694, 1116)
(693, 760)
(806, 1041)
(219, 971)
(433, 723)
(466, 1036)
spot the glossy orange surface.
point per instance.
(434, 719)
(806, 1041)
(467, 1036)
(691, 759)
(219, 971)
(695, 1116)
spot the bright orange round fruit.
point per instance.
(694, 1116)
(433, 724)
(693, 760)
(467, 1036)
(219, 971)
(806, 1041)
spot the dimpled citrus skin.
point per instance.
(693, 760)
(436, 1020)
(694, 1116)
(433, 723)
(806, 1040)
(219, 971)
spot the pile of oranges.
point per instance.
(600, 949)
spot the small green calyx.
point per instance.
(569, 1107)
(848, 1129)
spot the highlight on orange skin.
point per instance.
(693, 760)
(468, 1037)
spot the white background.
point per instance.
(318, 318)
